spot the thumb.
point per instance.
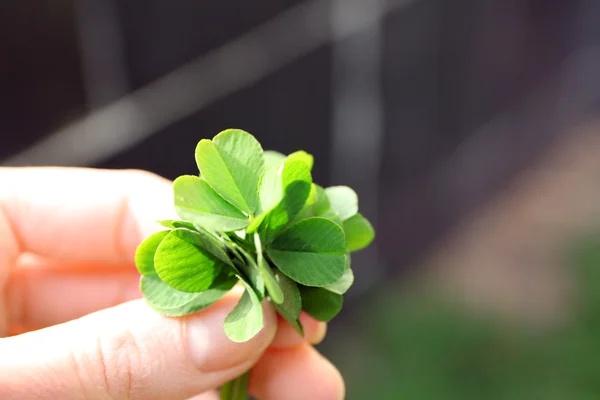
(129, 352)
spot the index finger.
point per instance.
(79, 214)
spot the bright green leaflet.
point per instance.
(208, 236)
(144, 254)
(232, 164)
(172, 224)
(267, 273)
(359, 232)
(246, 318)
(332, 216)
(343, 284)
(236, 389)
(310, 207)
(270, 191)
(197, 202)
(173, 303)
(311, 252)
(273, 158)
(321, 304)
(323, 206)
(292, 303)
(185, 266)
(296, 183)
(301, 155)
(322, 203)
(343, 200)
(206, 241)
(279, 186)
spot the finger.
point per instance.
(287, 336)
(9, 251)
(80, 214)
(298, 373)
(212, 395)
(93, 216)
(42, 297)
(129, 352)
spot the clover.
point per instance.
(254, 217)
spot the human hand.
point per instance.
(67, 241)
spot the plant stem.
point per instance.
(236, 389)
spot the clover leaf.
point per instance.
(295, 188)
(303, 156)
(197, 202)
(320, 303)
(343, 284)
(246, 319)
(144, 254)
(232, 164)
(173, 303)
(311, 252)
(254, 217)
(273, 158)
(359, 232)
(291, 306)
(343, 200)
(185, 266)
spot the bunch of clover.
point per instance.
(254, 217)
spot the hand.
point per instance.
(79, 328)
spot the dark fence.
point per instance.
(426, 107)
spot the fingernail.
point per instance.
(320, 333)
(210, 348)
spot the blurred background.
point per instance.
(469, 128)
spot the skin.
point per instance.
(72, 322)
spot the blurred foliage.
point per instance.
(420, 346)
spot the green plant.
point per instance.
(254, 217)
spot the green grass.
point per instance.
(421, 347)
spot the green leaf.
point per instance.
(273, 158)
(320, 303)
(310, 207)
(271, 191)
(323, 207)
(172, 224)
(311, 252)
(343, 284)
(185, 266)
(173, 303)
(301, 155)
(232, 164)
(359, 232)
(343, 200)
(332, 216)
(266, 272)
(292, 303)
(197, 202)
(144, 254)
(296, 184)
(213, 241)
(246, 318)
(206, 241)
(322, 203)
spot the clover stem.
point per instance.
(236, 389)
(235, 249)
(258, 246)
